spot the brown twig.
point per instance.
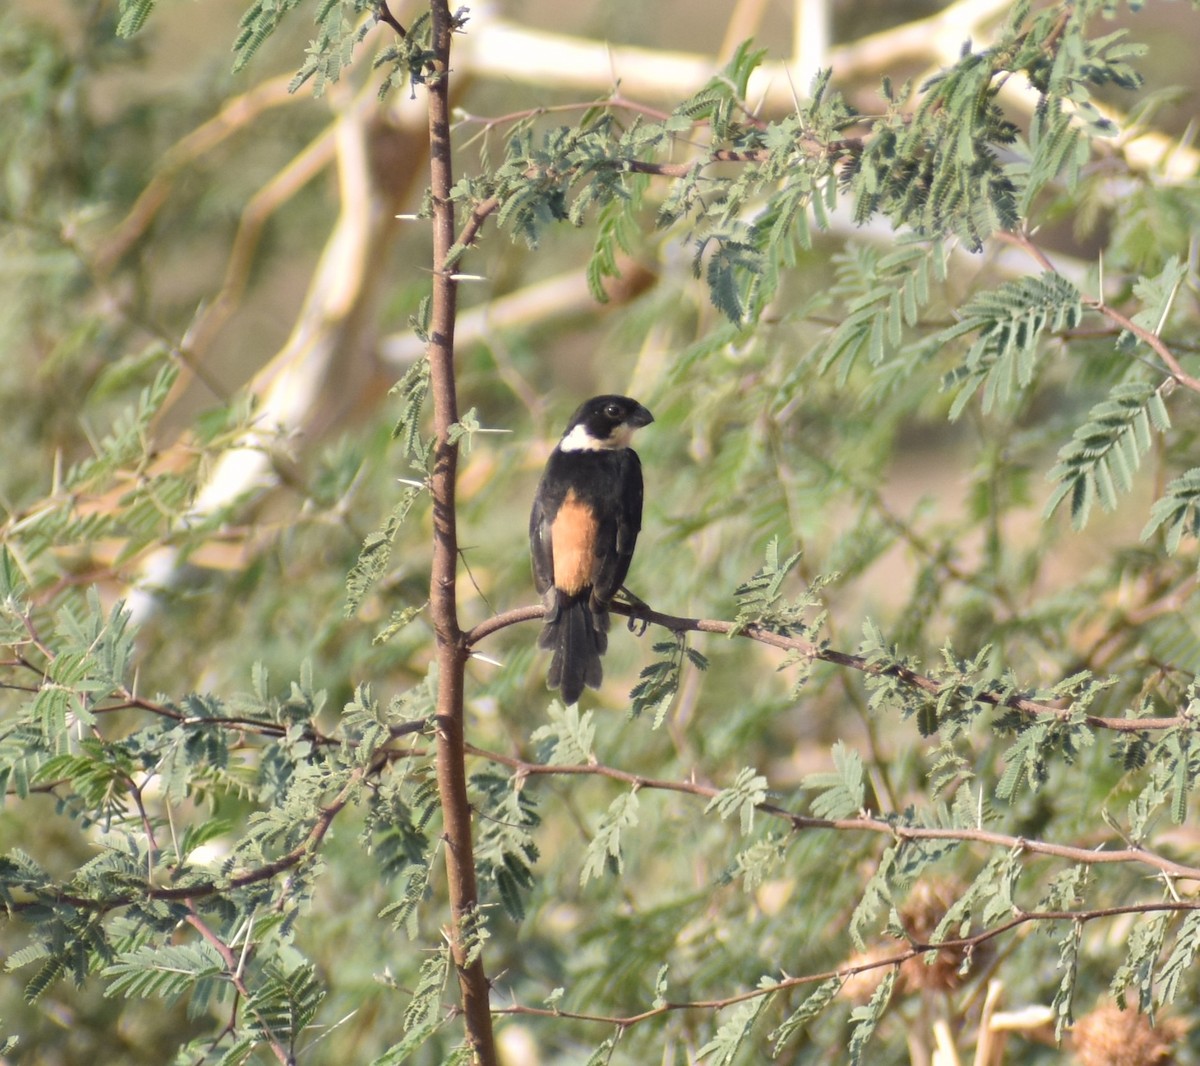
(230, 959)
(819, 653)
(1153, 340)
(491, 204)
(963, 944)
(452, 651)
(1147, 337)
(234, 972)
(865, 823)
(385, 15)
(284, 862)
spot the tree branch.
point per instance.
(385, 15)
(488, 206)
(963, 944)
(232, 963)
(818, 653)
(865, 823)
(185, 893)
(1150, 339)
(1153, 340)
(451, 649)
(234, 971)
(508, 52)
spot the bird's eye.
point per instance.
(613, 410)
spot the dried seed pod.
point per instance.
(1109, 1036)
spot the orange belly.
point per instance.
(573, 543)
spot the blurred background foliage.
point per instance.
(207, 300)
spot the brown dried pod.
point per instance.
(1110, 1036)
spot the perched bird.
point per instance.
(585, 521)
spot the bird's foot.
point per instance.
(636, 621)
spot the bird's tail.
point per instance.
(577, 634)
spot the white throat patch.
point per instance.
(580, 440)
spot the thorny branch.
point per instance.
(461, 645)
(843, 973)
(451, 650)
(200, 890)
(488, 206)
(818, 653)
(233, 964)
(233, 968)
(864, 823)
(1098, 304)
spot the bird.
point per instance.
(585, 520)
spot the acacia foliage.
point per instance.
(234, 812)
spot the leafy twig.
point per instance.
(843, 973)
(265, 872)
(819, 653)
(233, 969)
(1147, 337)
(865, 823)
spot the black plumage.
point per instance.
(586, 516)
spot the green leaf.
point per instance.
(759, 598)
(164, 971)
(414, 1040)
(1104, 453)
(840, 793)
(463, 431)
(604, 851)
(865, 1019)
(602, 1056)
(261, 19)
(133, 16)
(660, 987)
(412, 390)
(376, 555)
(506, 849)
(474, 934)
(659, 680)
(1027, 759)
(398, 620)
(1157, 295)
(1068, 963)
(732, 1034)
(339, 31)
(568, 738)
(1009, 323)
(748, 790)
(1177, 512)
(37, 985)
(403, 913)
(1176, 746)
(876, 898)
(426, 1008)
(760, 860)
(1143, 950)
(1179, 964)
(729, 271)
(812, 1007)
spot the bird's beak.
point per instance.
(640, 417)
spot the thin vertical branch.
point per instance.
(451, 643)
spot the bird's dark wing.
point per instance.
(540, 549)
(614, 563)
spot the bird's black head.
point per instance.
(603, 423)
